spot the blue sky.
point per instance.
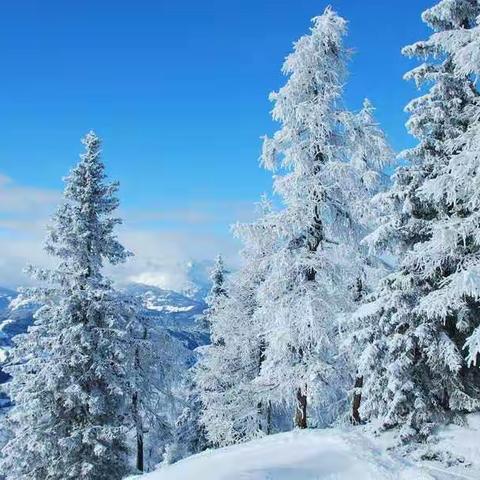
(179, 92)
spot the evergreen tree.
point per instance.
(328, 160)
(158, 364)
(217, 290)
(411, 339)
(217, 277)
(234, 408)
(454, 191)
(70, 372)
(189, 436)
(370, 153)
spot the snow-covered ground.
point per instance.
(331, 454)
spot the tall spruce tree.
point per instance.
(71, 386)
(234, 408)
(455, 242)
(189, 432)
(217, 277)
(412, 332)
(327, 161)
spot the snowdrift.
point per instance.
(329, 454)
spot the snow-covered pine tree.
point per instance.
(217, 276)
(454, 249)
(411, 339)
(462, 43)
(259, 239)
(229, 411)
(233, 406)
(370, 153)
(217, 290)
(159, 361)
(189, 435)
(325, 155)
(454, 191)
(70, 372)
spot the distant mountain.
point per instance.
(176, 312)
(189, 278)
(12, 322)
(6, 296)
(179, 313)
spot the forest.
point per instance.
(356, 305)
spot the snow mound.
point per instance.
(314, 455)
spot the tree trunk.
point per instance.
(140, 466)
(301, 409)
(269, 418)
(314, 238)
(139, 432)
(265, 417)
(137, 413)
(264, 409)
(357, 400)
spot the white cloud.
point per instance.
(25, 200)
(15, 255)
(163, 241)
(161, 256)
(205, 213)
(24, 212)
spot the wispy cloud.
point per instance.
(24, 211)
(18, 199)
(204, 213)
(160, 257)
(163, 241)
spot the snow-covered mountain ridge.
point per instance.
(338, 454)
(177, 312)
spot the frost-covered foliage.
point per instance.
(217, 277)
(217, 290)
(71, 372)
(328, 162)
(458, 33)
(189, 435)
(233, 406)
(417, 335)
(160, 362)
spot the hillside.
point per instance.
(176, 312)
(331, 454)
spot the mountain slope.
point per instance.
(175, 312)
(328, 454)
(12, 322)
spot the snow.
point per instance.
(171, 308)
(333, 454)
